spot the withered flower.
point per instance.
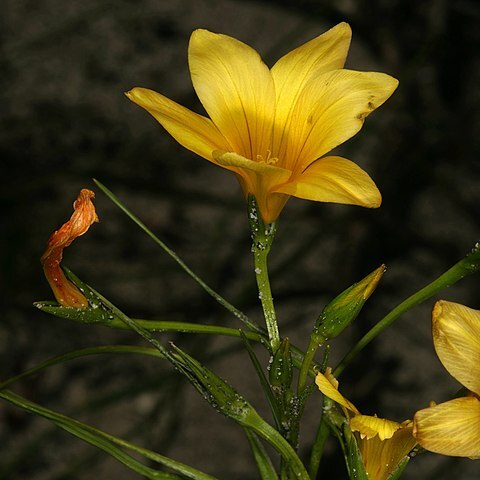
(84, 215)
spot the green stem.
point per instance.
(468, 265)
(262, 238)
(307, 361)
(265, 294)
(317, 449)
(240, 315)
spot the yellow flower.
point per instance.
(84, 215)
(384, 444)
(382, 457)
(453, 427)
(272, 127)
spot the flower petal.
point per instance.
(369, 426)
(331, 109)
(83, 217)
(337, 180)
(450, 428)
(382, 458)
(456, 336)
(291, 73)
(193, 131)
(331, 392)
(236, 89)
(232, 159)
(258, 179)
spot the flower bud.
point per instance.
(281, 368)
(344, 308)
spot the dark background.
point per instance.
(64, 119)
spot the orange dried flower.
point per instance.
(84, 215)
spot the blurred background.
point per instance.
(64, 120)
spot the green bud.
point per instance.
(281, 368)
(344, 308)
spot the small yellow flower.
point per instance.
(383, 443)
(272, 127)
(382, 457)
(453, 427)
(84, 215)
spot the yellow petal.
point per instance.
(381, 458)
(193, 131)
(322, 54)
(456, 336)
(236, 89)
(450, 428)
(331, 392)
(337, 180)
(369, 426)
(258, 179)
(330, 110)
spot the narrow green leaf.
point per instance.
(113, 312)
(239, 314)
(467, 266)
(114, 321)
(107, 319)
(117, 453)
(353, 458)
(107, 349)
(224, 398)
(108, 442)
(395, 475)
(263, 461)
(240, 410)
(274, 407)
(83, 315)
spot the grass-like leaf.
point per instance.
(263, 461)
(264, 382)
(109, 443)
(239, 314)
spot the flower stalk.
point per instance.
(262, 239)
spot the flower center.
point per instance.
(269, 160)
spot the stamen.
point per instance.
(269, 160)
